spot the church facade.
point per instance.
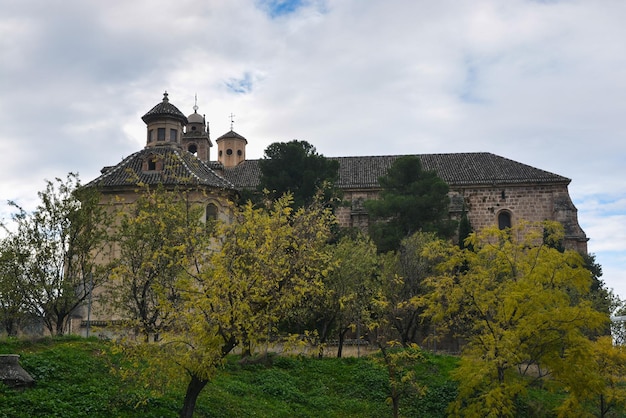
(492, 190)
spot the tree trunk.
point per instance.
(194, 388)
(60, 328)
(342, 339)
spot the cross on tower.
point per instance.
(232, 121)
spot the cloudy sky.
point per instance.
(540, 82)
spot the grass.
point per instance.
(75, 379)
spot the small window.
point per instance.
(211, 212)
(504, 220)
(151, 164)
(193, 128)
(193, 148)
(150, 135)
(173, 135)
(239, 152)
(161, 134)
(220, 153)
(229, 151)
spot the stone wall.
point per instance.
(533, 203)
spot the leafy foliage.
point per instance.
(267, 261)
(295, 167)
(400, 365)
(57, 247)
(515, 296)
(412, 200)
(402, 282)
(345, 304)
(156, 238)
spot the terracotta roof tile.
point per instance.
(457, 169)
(180, 167)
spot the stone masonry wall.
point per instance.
(533, 203)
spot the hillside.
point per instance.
(76, 378)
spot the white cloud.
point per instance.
(539, 82)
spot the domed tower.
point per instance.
(231, 149)
(165, 124)
(196, 137)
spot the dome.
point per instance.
(164, 110)
(195, 118)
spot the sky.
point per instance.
(541, 82)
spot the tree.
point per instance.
(517, 296)
(267, 262)
(62, 240)
(400, 364)
(403, 277)
(13, 300)
(601, 383)
(295, 167)
(345, 304)
(411, 200)
(465, 229)
(156, 238)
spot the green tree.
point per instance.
(345, 304)
(13, 302)
(465, 229)
(516, 295)
(295, 167)
(411, 200)
(400, 364)
(403, 279)
(62, 240)
(156, 237)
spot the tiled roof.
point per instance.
(231, 134)
(165, 108)
(459, 169)
(245, 175)
(180, 167)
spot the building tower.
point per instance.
(165, 124)
(196, 138)
(231, 149)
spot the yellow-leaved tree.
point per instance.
(157, 237)
(264, 263)
(521, 305)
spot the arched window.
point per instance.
(504, 219)
(193, 148)
(211, 212)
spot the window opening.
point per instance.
(211, 212)
(504, 220)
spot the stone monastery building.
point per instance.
(492, 189)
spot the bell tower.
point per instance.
(196, 138)
(231, 147)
